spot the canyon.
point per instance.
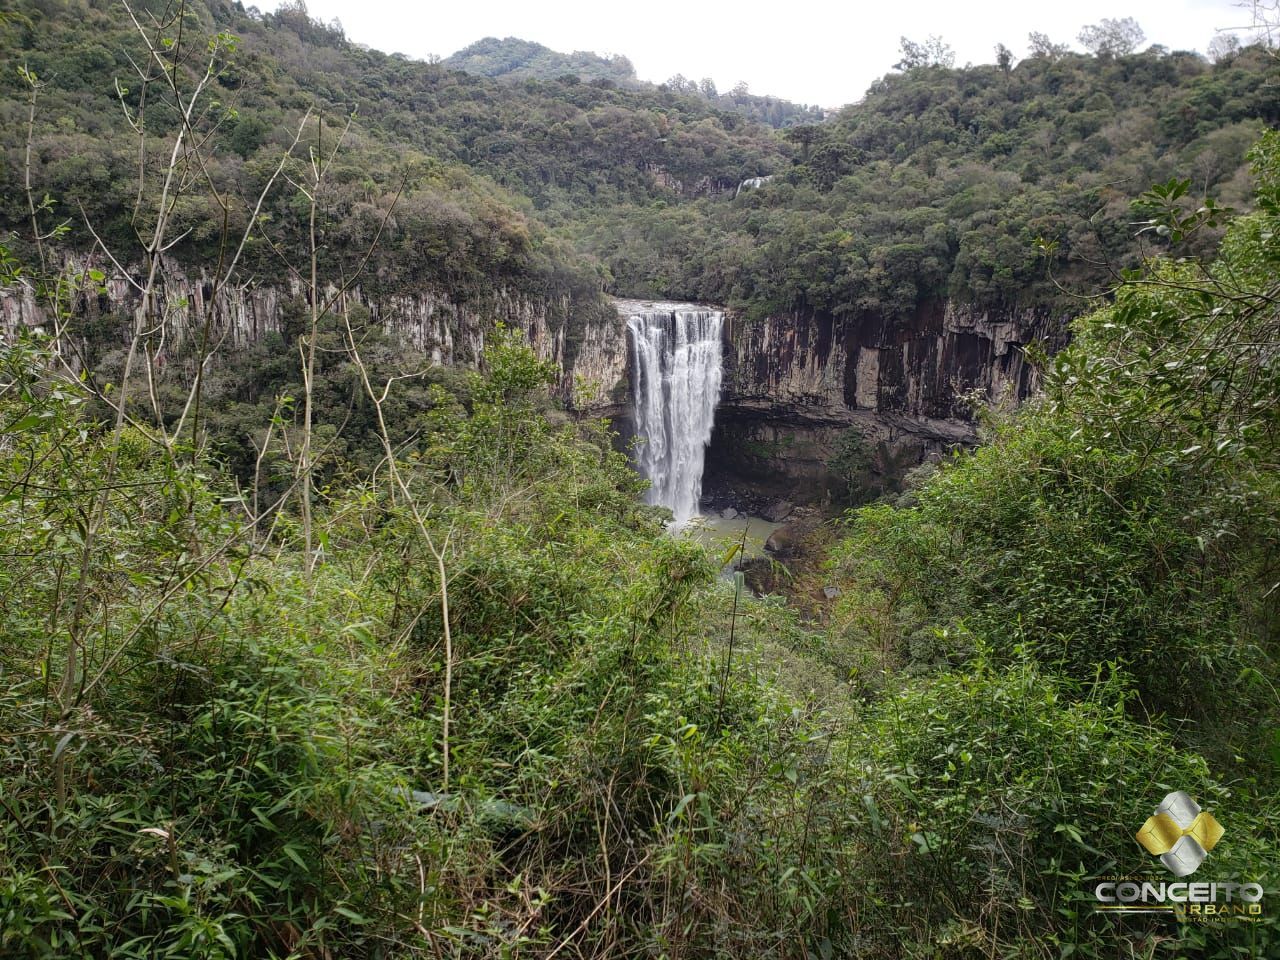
(795, 386)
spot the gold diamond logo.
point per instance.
(1180, 833)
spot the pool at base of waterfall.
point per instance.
(721, 534)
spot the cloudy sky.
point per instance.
(824, 53)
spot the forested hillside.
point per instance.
(312, 646)
(517, 59)
(939, 183)
(561, 145)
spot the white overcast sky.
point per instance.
(824, 53)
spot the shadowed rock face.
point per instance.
(820, 369)
(795, 385)
(585, 339)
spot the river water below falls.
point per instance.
(721, 534)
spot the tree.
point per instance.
(679, 83)
(1004, 58)
(1266, 21)
(1223, 46)
(806, 135)
(1112, 38)
(1042, 48)
(934, 52)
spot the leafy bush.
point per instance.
(230, 754)
(978, 809)
(1128, 515)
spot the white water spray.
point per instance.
(676, 384)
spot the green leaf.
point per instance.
(350, 915)
(684, 802)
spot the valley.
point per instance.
(499, 507)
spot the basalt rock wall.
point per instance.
(802, 388)
(797, 386)
(586, 339)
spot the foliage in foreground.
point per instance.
(252, 761)
(1119, 534)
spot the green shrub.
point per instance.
(977, 809)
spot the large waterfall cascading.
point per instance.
(676, 384)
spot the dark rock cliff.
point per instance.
(799, 386)
(587, 340)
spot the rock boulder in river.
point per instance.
(777, 511)
(783, 541)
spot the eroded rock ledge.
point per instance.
(585, 339)
(797, 384)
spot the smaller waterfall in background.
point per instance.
(751, 183)
(676, 374)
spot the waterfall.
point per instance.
(676, 383)
(751, 183)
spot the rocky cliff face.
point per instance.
(822, 369)
(804, 389)
(799, 386)
(586, 340)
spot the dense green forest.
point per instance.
(550, 147)
(515, 59)
(518, 59)
(940, 181)
(935, 185)
(317, 650)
